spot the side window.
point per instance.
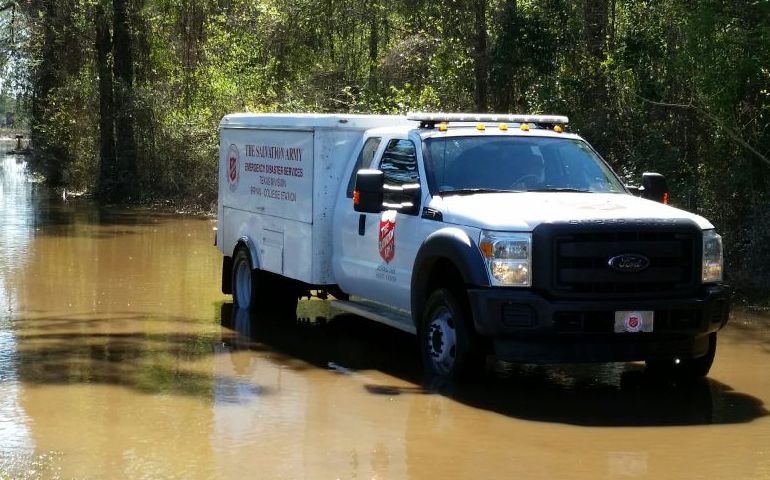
(364, 158)
(399, 164)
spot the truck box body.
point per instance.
(283, 173)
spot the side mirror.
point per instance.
(368, 194)
(654, 187)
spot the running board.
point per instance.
(377, 313)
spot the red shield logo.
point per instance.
(387, 239)
(633, 322)
(232, 167)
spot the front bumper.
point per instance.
(527, 326)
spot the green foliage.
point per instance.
(677, 87)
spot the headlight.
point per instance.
(712, 257)
(508, 257)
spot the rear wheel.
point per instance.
(448, 344)
(686, 368)
(243, 280)
(266, 292)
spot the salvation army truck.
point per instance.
(481, 234)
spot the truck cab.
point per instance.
(506, 235)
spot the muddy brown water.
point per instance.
(119, 358)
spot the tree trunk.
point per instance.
(595, 17)
(481, 60)
(107, 170)
(125, 142)
(374, 43)
(505, 59)
(48, 78)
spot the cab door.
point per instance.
(377, 250)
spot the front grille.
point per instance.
(584, 322)
(579, 260)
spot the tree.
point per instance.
(129, 93)
(123, 71)
(481, 61)
(107, 159)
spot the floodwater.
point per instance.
(119, 358)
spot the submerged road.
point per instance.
(119, 358)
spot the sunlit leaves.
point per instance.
(612, 66)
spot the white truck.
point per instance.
(481, 234)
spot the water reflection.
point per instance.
(118, 359)
(302, 380)
(16, 443)
(590, 395)
(299, 415)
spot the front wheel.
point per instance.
(687, 368)
(448, 345)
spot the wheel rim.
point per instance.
(243, 285)
(442, 341)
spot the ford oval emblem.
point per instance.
(628, 263)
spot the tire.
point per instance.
(685, 369)
(254, 290)
(448, 345)
(244, 280)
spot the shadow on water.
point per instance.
(89, 349)
(342, 343)
(609, 395)
(603, 395)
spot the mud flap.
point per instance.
(227, 275)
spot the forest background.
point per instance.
(123, 98)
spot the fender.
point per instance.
(227, 263)
(452, 244)
(252, 247)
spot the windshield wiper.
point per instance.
(471, 191)
(559, 189)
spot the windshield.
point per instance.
(479, 164)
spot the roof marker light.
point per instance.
(487, 117)
(558, 129)
(481, 127)
(503, 127)
(442, 127)
(524, 127)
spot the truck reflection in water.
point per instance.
(292, 418)
(299, 411)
